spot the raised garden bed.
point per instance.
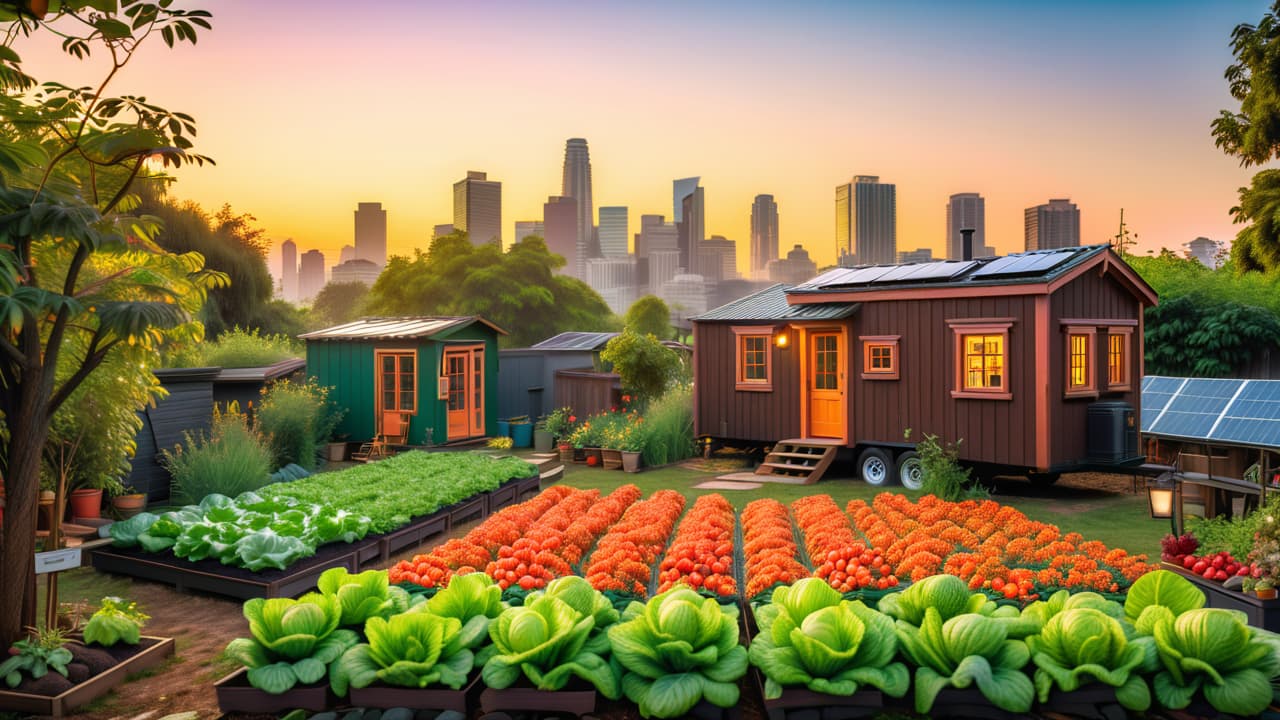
(475, 508)
(576, 699)
(506, 495)
(435, 698)
(236, 695)
(413, 534)
(148, 653)
(528, 487)
(1263, 614)
(212, 576)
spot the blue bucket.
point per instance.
(522, 435)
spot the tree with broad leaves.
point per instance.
(81, 279)
(649, 316)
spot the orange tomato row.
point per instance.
(768, 547)
(624, 557)
(837, 555)
(701, 555)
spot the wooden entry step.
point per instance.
(798, 462)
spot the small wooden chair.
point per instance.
(395, 431)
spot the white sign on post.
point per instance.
(57, 560)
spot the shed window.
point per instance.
(398, 381)
(754, 369)
(1081, 374)
(1118, 357)
(880, 357)
(982, 359)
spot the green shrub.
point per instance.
(238, 348)
(647, 367)
(231, 459)
(297, 419)
(941, 474)
(667, 428)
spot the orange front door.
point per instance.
(464, 370)
(826, 386)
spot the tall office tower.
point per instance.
(967, 210)
(686, 295)
(362, 271)
(1202, 249)
(1055, 224)
(560, 230)
(477, 208)
(691, 219)
(680, 189)
(347, 254)
(867, 220)
(656, 234)
(289, 270)
(718, 258)
(794, 269)
(764, 233)
(614, 278)
(371, 233)
(441, 230)
(577, 185)
(613, 231)
(663, 266)
(919, 255)
(310, 275)
(525, 228)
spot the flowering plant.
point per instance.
(586, 435)
(1265, 554)
(560, 422)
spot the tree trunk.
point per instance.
(28, 431)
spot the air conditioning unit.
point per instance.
(1111, 432)
(442, 388)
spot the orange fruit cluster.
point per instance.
(624, 557)
(769, 547)
(531, 561)
(992, 546)
(467, 554)
(701, 555)
(836, 553)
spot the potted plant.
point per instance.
(1265, 558)
(521, 431)
(587, 437)
(560, 424)
(543, 440)
(129, 504)
(633, 445)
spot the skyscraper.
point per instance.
(289, 270)
(1202, 249)
(764, 233)
(310, 275)
(663, 266)
(346, 254)
(691, 222)
(577, 185)
(867, 221)
(477, 208)
(656, 234)
(967, 210)
(613, 231)
(441, 229)
(614, 278)
(680, 189)
(371, 233)
(560, 230)
(525, 228)
(1055, 224)
(794, 269)
(718, 258)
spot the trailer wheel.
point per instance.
(910, 470)
(1043, 479)
(875, 467)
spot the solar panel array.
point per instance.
(1245, 412)
(938, 271)
(1029, 263)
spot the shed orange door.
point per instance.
(826, 386)
(464, 369)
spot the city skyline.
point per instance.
(1129, 126)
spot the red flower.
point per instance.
(573, 418)
(626, 398)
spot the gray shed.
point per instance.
(527, 376)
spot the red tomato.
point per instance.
(997, 584)
(526, 583)
(1010, 591)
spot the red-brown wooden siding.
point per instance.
(1088, 297)
(721, 410)
(994, 431)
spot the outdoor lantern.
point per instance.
(781, 339)
(1161, 496)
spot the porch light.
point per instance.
(781, 339)
(1161, 496)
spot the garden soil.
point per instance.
(204, 624)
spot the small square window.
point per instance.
(880, 357)
(754, 369)
(982, 358)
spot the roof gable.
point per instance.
(398, 328)
(770, 305)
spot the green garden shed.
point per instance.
(421, 380)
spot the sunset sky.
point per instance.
(311, 107)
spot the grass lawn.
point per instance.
(1116, 519)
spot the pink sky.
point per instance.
(309, 108)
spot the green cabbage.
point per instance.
(1160, 589)
(676, 650)
(1082, 644)
(967, 649)
(950, 597)
(125, 533)
(363, 596)
(413, 649)
(1213, 651)
(116, 621)
(546, 640)
(578, 594)
(468, 596)
(293, 640)
(809, 636)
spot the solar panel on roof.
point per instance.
(1245, 412)
(1024, 264)
(857, 276)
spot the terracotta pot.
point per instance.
(1266, 593)
(126, 506)
(611, 459)
(566, 453)
(86, 503)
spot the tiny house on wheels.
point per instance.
(428, 380)
(1032, 362)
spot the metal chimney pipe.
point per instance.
(966, 242)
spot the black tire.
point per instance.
(874, 467)
(910, 473)
(1043, 479)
